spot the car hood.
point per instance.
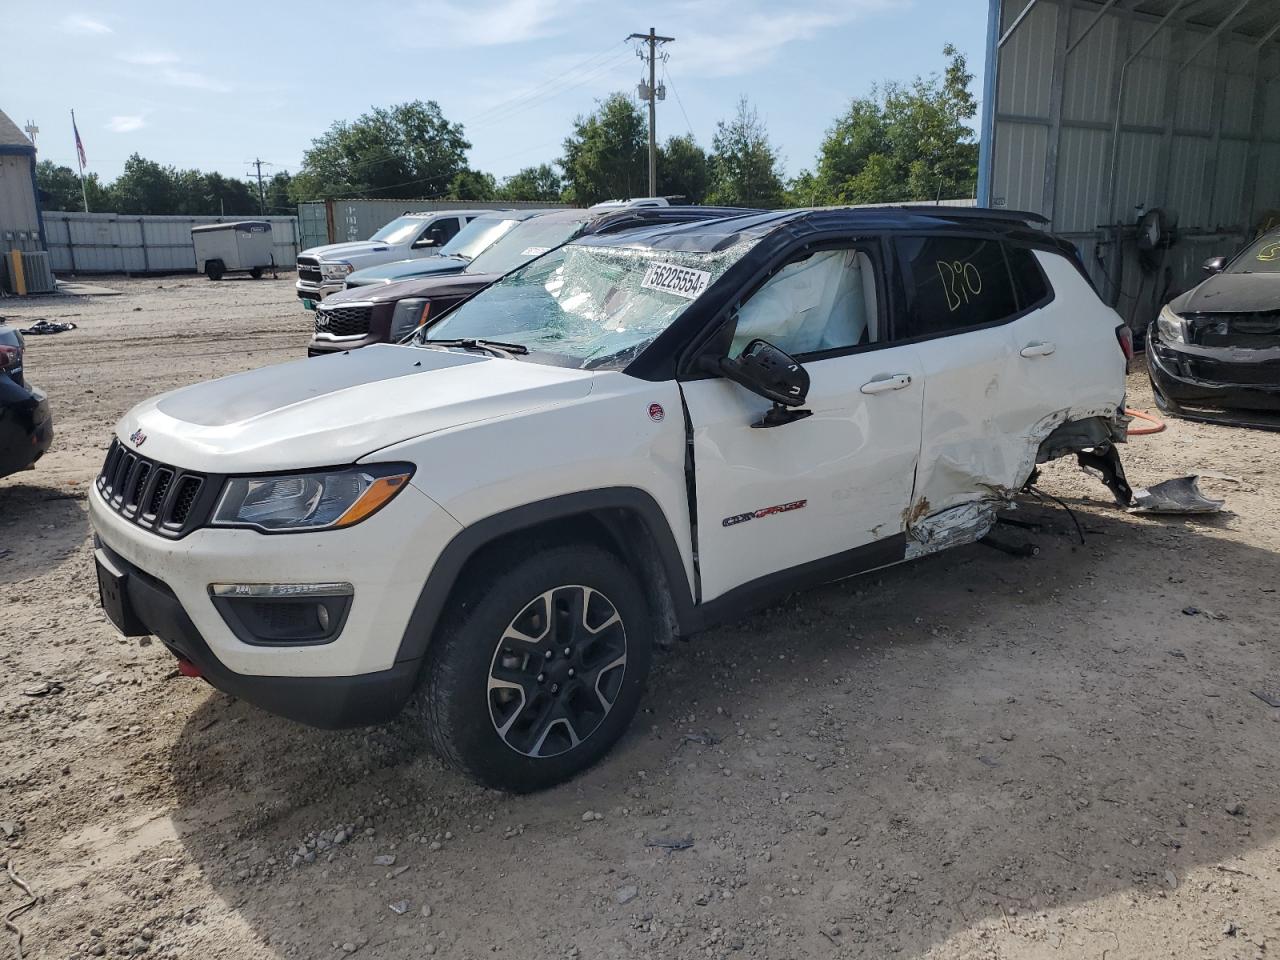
(1231, 293)
(448, 286)
(358, 250)
(403, 269)
(338, 408)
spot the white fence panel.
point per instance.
(124, 243)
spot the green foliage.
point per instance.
(146, 187)
(279, 195)
(683, 169)
(606, 155)
(532, 183)
(745, 166)
(406, 150)
(903, 142)
(473, 185)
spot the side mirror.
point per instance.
(425, 242)
(772, 373)
(1214, 265)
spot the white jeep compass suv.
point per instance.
(627, 439)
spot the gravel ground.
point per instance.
(970, 755)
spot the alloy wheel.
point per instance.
(557, 671)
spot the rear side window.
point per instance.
(1028, 279)
(953, 283)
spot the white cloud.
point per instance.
(126, 123)
(79, 23)
(458, 23)
(149, 58)
(741, 42)
(164, 66)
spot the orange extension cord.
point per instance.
(1157, 425)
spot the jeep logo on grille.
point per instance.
(137, 438)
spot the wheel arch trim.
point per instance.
(469, 541)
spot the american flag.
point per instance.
(84, 161)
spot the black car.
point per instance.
(26, 426)
(1214, 353)
(385, 313)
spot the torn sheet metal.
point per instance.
(1181, 495)
(953, 527)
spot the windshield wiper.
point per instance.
(495, 347)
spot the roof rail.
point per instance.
(972, 213)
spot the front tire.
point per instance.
(538, 667)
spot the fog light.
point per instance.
(283, 614)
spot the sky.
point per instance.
(217, 86)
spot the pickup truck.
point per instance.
(323, 270)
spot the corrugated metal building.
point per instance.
(337, 221)
(1107, 109)
(20, 224)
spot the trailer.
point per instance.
(242, 245)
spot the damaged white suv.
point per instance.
(628, 439)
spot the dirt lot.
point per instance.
(968, 756)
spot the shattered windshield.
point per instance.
(595, 307)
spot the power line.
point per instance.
(561, 85)
(262, 195)
(607, 52)
(667, 76)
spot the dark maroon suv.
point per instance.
(386, 313)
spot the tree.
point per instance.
(144, 187)
(606, 156)
(279, 200)
(473, 185)
(683, 169)
(60, 187)
(903, 142)
(403, 150)
(745, 166)
(532, 183)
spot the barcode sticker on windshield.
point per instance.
(533, 251)
(682, 281)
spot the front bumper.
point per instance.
(26, 426)
(386, 559)
(1212, 384)
(328, 702)
(311, 290)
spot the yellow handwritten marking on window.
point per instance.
(1270, 252)
(960, 281)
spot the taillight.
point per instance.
(1125, 336)
(10, 357)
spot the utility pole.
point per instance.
(31, 130)
(262, 196)
(652, 39)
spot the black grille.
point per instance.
(343, 321)
(164, 499)
(309, 269)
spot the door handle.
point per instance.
(884, 383)
(1037, 348)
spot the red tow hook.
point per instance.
(189, 669)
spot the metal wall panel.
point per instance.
(1227, 201)
(1022, 143)
(1024, 79)
(1088, 79)
(1082, 165)
(122, 243)
(19, 221)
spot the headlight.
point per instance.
(336, 271)
(1173, 329)
(322, 500)
(409, 315)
